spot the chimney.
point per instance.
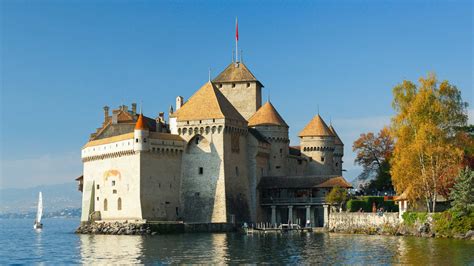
(179, 102)
(134, 108)
(106, 113)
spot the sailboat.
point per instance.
(38, 224)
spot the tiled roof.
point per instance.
(338, 181)
(337, 141)
(165, 136)
(316, 127)
(258, 136)
(208, 103)
(269, 182)
(295, 150)
(267, 115)
(109, 140)
(235, 72)
(140, 125)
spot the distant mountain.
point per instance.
(55, 198)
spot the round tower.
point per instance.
(318, 144)
(338, 151)
(268, 122)
(140, 134)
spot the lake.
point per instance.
(57, 243)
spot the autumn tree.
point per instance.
(337, 196)
(424, 128)
(373, 152)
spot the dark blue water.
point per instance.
(57, 243)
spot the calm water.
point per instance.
(56, 243)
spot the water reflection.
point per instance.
(273, 248)
(111, 249)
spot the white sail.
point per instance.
(40, 209)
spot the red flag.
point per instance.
(236, 30)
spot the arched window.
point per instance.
(105, 204)
(119, 204)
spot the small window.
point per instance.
(337, 164)
(237, 171)
(105, 204)
(113, 182)
(197, 140)
(97, 198)
(144, 140)
(119, 204)
(187, 122)
(322, 159)
(233, 85)
(136, 140)
(177, 211)
(196, 194)
(278, 167)
(114, 191)
(281, 151)
(201, 170)
(98, 186)
(167, 202)
(248, 85)
(200, 121)
(213, 120)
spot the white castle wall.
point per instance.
(114, 178)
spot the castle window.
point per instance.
(114, 191)
(197, 140)
(213, 120)
(119, 204)
(233, 85)
(248, 85)
(187, 122)
(278, 167)
(159, 185)
(105, 204)
(136, 140)
(281, 151)
(98, 186)
(200, 121)
(97, 198)
(196, 194)
(261, 171)
(113, 182)
(167, 202)
(237, 171)
(337, 164)
(322, 159)
(144, 140)
(177, 213)
(201, 170)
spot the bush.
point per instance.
(365, 203)
(453, 222)
(410, 218)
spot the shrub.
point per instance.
(410, 218)
(365, 203)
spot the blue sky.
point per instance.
(62, 61)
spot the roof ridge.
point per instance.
(316, 127)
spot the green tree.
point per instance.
(462, 193)
(337, 196)
(424, 127)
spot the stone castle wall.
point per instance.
(246, 97)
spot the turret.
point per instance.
(318, 144)
(268, 122)
(338, 151)
(141, 133)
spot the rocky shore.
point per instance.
(418, 229)
(114, 228)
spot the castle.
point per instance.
(222, 157)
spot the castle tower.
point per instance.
(140, 134)
(268, 122)
(241, 88)
(214, 179)
(318, 143)
(338, 152)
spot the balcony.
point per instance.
(294, 201)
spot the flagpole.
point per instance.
(236, 40)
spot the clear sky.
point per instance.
(62, 61)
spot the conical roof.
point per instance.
(338, 140)
(316, 127)
(235, 72)
(141, 125)
(207, 103)
(267, 115)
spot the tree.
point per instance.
(373, 152)
(424, 128)
(462, 193)
(337, 196)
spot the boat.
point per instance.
(38, 224)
